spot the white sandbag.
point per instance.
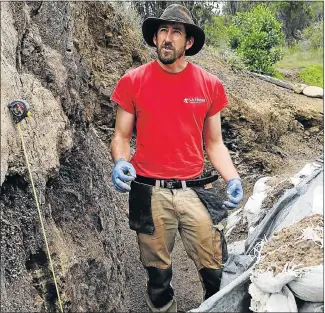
(253, 205)
(310, 307)
(293, 206)
(267, 282)
(307, 170)
(282, 302)
(309, 286)
(278, 303)
(259, 298)
(233, 220)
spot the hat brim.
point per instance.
(150, 27)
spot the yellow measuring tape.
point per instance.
(40, 217)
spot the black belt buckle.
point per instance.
(169, 184)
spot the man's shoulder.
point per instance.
(205, 74)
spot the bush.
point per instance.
(256, 36)
(313, 75)
(277, 74)
(314, 36)
(216, 32)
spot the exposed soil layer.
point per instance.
(290, 246)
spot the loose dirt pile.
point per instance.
(295, 246)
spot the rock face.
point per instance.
(55, 56)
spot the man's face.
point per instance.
(171, 42)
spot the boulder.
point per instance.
(314, 92)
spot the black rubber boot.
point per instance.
(170, 307)
(211, 279)
(159, 289)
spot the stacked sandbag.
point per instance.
(290, 264)
(253, 206)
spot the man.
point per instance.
(173, 103)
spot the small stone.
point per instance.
(298, 88)
(307, 133)
(97, 84)
(314, 129)
(107, 92)
(108, 34)
(314, 92)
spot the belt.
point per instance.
(175, 184)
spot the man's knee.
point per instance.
(159, 289)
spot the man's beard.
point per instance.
(173, 54)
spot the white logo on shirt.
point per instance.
(194, 100)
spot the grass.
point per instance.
(307, 62)
(299, 58)
(278, 75)
(313, 75)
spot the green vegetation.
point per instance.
(277, 74)
(256, 36)
(307, 56)
(294, 16)
(313, 36)
(296, 57)
(216, 32)
(313, 75)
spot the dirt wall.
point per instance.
(56, 56)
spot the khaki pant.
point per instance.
(180, 209)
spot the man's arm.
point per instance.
(120, 145)
(217, 152)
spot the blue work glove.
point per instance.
(123, 172)
(235, 194)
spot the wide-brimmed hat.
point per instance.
(175, 13)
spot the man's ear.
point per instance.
(154, 39)
(189, 43)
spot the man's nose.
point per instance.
(169, 35)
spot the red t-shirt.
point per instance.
(170, 110)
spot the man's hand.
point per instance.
(123, 172)
(235, 194)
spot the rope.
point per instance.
(40, 217)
